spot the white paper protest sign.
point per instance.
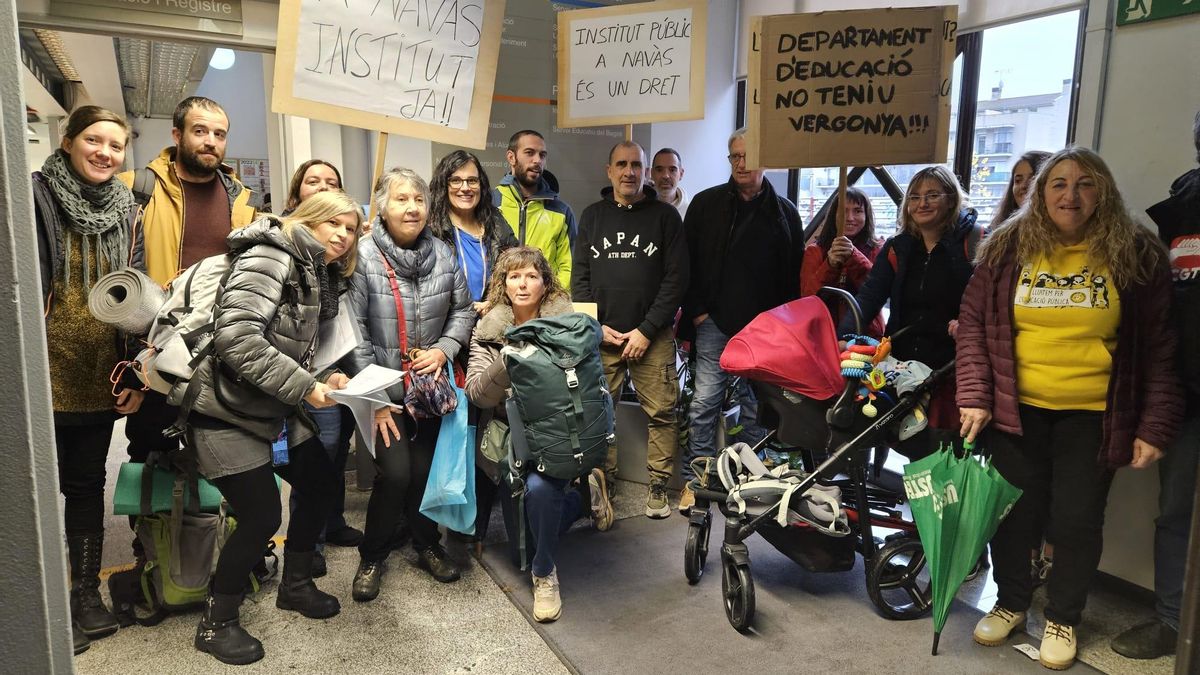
(631, 64)
(418, 68)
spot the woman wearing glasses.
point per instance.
(460, 216)
(922, 273)
(470, 224)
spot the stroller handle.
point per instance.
(840, 413)
(847, 299)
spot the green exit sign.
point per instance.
(1140, 11)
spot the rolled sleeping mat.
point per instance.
(127, 299)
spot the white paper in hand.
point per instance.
(336, 338)
(364, 394)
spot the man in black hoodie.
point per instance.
(631, 260)
(1178, 220)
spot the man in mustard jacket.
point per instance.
(528, 198)
(189, 201)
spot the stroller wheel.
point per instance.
(695, 549)
(898, 580)
(738, 589)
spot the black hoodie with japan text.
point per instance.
(632, 261)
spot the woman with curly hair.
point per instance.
(1065, 354)
(524, 288)
(461, 213)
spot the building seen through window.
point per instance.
(1024, 103)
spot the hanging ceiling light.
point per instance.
(222, 59)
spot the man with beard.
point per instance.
(190, 201)
(665, 173)
(528, 198)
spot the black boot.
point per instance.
(437, 563)
(87, 609)
(80, 639)
(298, 593)
(221, 634)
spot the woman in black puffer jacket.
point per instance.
(283, 282)
(402, 262)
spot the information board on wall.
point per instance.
(632, 64)
(526, 97)
(421, 69)
(851, 88)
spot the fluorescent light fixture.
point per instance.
(222, 59)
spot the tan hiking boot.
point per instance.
(1058, 646)
(993, 630)
(687, 499)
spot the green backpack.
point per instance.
(560, 411)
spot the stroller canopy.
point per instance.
(793, 346)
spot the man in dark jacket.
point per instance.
(1178, 220)
(631, 260)
(746, 244)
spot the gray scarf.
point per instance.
(97, 213)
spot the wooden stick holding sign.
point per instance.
(380, 159)
(629, 132)
(841, 212)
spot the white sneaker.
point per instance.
(547, 605)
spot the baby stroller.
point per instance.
(823, 512)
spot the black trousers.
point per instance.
(255, 499)
(1055, 463)
(403, 470)
(82, 451)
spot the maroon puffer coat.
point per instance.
(1145, 399)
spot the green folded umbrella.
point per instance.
(957, 503)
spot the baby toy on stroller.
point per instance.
(823, 512)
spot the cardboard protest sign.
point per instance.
(632, 64)
(417, 68)
(850, 88)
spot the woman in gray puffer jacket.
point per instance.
(403, 263)
(282, 282)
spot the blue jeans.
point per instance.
(1177, 477)
(329, 428)
(709, 386)
(550, 509)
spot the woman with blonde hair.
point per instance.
(921, 274)
(1065, 355)
(282, 284)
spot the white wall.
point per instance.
(701, 143)
(1149, 99)
(240, 92)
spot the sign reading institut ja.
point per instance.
(209, 16)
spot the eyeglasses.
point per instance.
(930, 197)
(456, 182)
(736, 159)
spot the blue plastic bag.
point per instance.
(450, 492)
